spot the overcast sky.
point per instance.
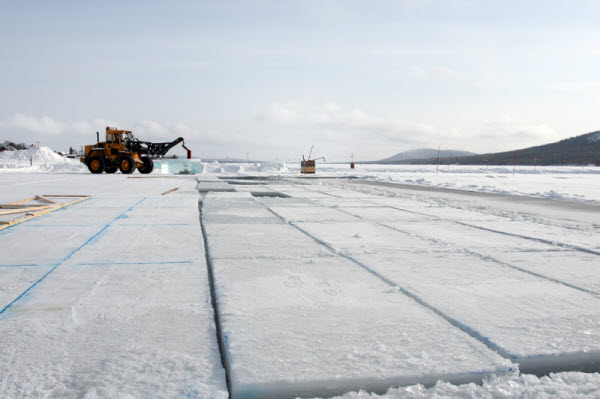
(271, 78)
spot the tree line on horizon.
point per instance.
(579, 150)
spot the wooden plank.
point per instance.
(22, 201)
(28, 209)
(171, 190)
(38, 210)
(66, 196)
(20, 206)
(41, 198)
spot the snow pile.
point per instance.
(245, 168)
(38, 159)
(559, 385)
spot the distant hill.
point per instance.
(570, 151)
(423, 153)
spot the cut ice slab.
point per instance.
(259, 241)
(575, 268)
(542, 325)
(14, 280)
(123, 243)
(205, 187)
(43, 244)
(459, 236)
(587, 238)
(312, 214)
(342, 193)
(384, 214)
(319, 327)
(179, 166)
(239, 214)
(113, 331)
(365, 237)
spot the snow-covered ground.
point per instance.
(38, 159)
(321, 287)
(554, 182)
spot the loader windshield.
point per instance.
(126, 137)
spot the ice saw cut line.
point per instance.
(36, 206)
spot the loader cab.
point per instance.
(118, 137)
(112, 138)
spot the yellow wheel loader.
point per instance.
(122, 151)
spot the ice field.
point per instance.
(262, 284)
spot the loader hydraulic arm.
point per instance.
(152, 149)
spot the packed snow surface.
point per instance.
(108, 297)
(555, 182)
(320, 287)
(559, 385)
(291, 310)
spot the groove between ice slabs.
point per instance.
(233, 210)
(575, 268)
(115, 330)
(469, 238)
(16, 279)
(365, 237)
(386, 214)
(168, 232)
(48, 244)
(37, 246)
(541, 325)
(311, 214)
(571, 267)
(108, 324)
(216, 186)
(323, 326)
(586, 239)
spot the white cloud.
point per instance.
(44, 124)
(49, 130)
(445, 71)
(416, 71)
(147, 130)
(506, 131)
(331, 123)
(571, 87)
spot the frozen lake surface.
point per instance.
(280, 286)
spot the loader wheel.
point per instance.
(111, 168)
(127, 165)
(147, 166)
(96, 165)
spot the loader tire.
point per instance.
(96, 165)
(127, 165)
(147, 166)
(111, 168)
